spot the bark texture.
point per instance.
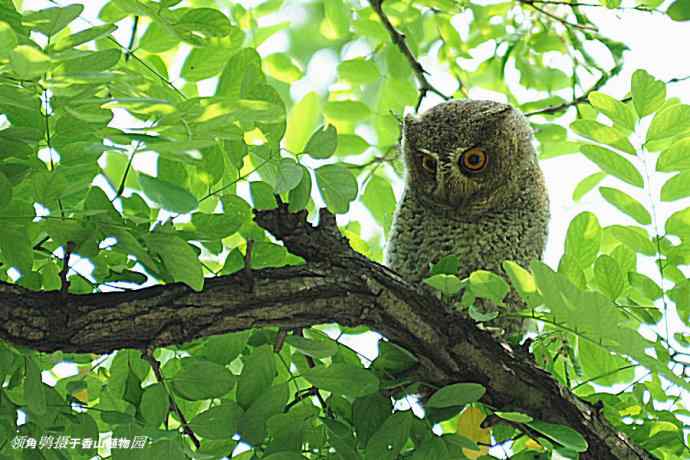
(335, 284)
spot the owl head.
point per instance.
(467, 154)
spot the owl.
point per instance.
(473, 189)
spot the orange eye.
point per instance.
(474, 160)
(429, 163)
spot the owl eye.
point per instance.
(474, 160)
(429, 163)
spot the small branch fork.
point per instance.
(399, 40)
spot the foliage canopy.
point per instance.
(135, 145)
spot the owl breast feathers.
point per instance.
(473, 189)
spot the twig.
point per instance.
(565, 22)
(132, 38)
(64, 282)
(594, 5)
(584, 98)
(249, 275)
(314, 390)
(399, 41)
(156, 366)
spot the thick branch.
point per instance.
(334, 285)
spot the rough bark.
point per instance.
(334, 285)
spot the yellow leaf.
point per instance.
(532, 444)
(470, 426)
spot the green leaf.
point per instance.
(392, 359)
(262, 195)
(635, 238)
(168, 195)
(433, 448)
(322, 143)
(289, 175)
(29, 62)
(516, 417)
(615, 110)
(670, 121)
(583, 239)
(218, 422)
(679, 10)
(676, 187)
(359, 71)
(337, 14)
(563, 435)
(368, 414)
(646, 285)
(315, 348)
(300, 195)
(488, 286)
(34, 389)
(15, 248)
(675, 158)
(179, 258)
(252, 425)
(257, 375)
(648, 93)
(5, 190)
(214, 226)
(627, 204)
(52, 20)
(608, 276)
(202, 63)
(448, 284)
(266, 254)
(679, 223)
(338, 187)
(237, 208)
(608, 135)
(198, 25)
(350, 144)
(343, 379)
(223, 349)
(282, 67)
(379, 199)
(84, 36)
(91, 61)
(8, 39)
(154, 404)
(302, 121)
(352, 111)
(523, 282)
(457, 394)
(200, 379)
(613, 164)
(449, 265)
(389, 440)
(587, 184)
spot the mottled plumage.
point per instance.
(473, 189)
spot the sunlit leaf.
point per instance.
(626, 204)
(337, 185)
(648, 94)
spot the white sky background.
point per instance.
(656, 44)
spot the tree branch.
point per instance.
(399, 40)
(584, 98)
(336, 284)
